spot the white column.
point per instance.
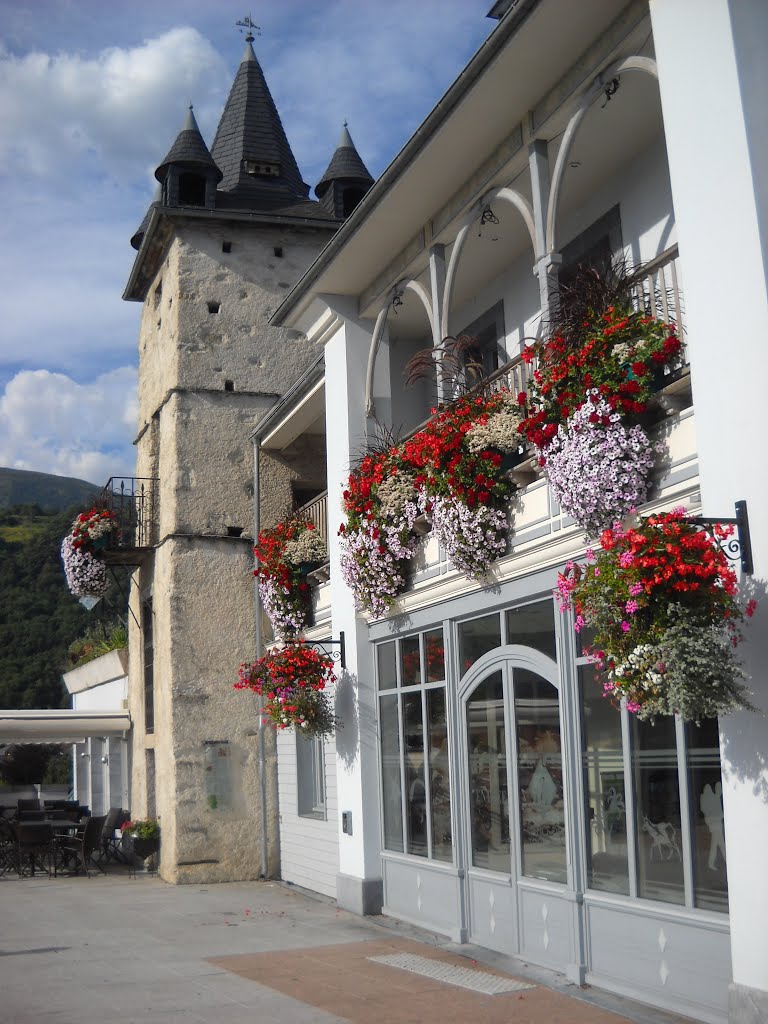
(712, 74)
(359, 881)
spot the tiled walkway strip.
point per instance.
(463, 977)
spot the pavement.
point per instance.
(82, 951)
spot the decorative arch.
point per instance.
(596, 89)
(378, 333)
(525, 210)
(523, 657)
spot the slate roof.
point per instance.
(345, 164)
(251, 129)
(189, 150)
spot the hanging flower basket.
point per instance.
(285, 555)
(292, 683)
(448, 478)
(663, 604)
(85, 571)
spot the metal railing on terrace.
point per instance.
(316, 512)
(133, 502)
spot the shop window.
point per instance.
(604, 789)
(705, 785)
(533, 625)
(415, 775)
(310, 776)
(657, 831)
(476, 638)
(657, 805)
(540, 777)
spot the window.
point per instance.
(593, 248)
(214, 307)
(487, 351)
(226, 247)
(149, 655)
(413, 725)
(191, 190)
(310, 776)
(654, 804)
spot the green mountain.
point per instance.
(22, 487)
(39, 618)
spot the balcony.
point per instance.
(133, 502)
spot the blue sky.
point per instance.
(91, 97)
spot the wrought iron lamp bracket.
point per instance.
(740, 546)
(320, 645)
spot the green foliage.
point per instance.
(98, 639)
(143, 828)
(39, 618)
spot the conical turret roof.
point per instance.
(189, 150)
(346, 164)
(251, 147)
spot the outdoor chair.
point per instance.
(79, 850)
(110, 842)
(9, 858)
(24, 805)
(34, 848)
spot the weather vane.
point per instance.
(249, 23)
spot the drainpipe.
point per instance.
(259, 652)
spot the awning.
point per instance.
(60, 726)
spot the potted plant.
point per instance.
(663, 606)
(292, 683)
(144, 834)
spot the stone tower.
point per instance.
(346, 179)
(231, 230)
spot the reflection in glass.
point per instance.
(385, 655)
(439, 776)
(604, 788)
(706, 789)
(533, 625)
(540, 777)
(434, 652)
(476, 638)
(416, 793)
(391, 786)
(410, 661)
(585, 638)
(488, 787)
(657, 795)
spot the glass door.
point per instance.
(514, 789)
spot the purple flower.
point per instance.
(631, 607)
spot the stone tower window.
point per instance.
(191, 190)
(214, 307)
(350, 199)
(278, 251)
(157, 295)
(226, 247)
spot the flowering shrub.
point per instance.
(283, 589)
(85, 572)
(92, 529)
(618, 356)
(444, 471)
(663, 604)
(598, 469)
(292, 683)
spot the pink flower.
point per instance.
(625, 627)
(635, 589)
(631, 607)
(626, 558)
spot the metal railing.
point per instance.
(133, 501)
(316, 512)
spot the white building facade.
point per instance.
(480, 786)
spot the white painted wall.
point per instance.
(309, 847)
(346, 356)
(107, 697)
(718, 154)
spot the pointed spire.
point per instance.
(188, 150)
(251, 147)
(346, 179)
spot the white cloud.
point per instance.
(52, 424)
(63, 113)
